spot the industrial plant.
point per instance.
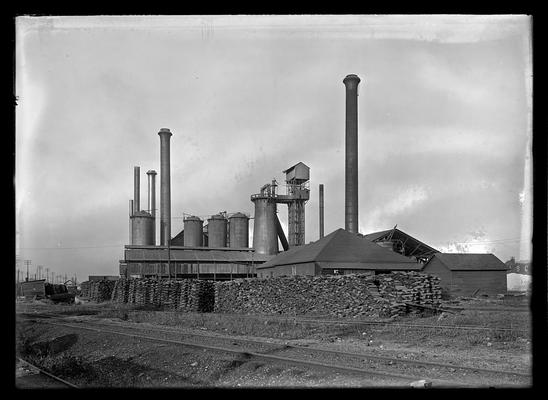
(217, 247)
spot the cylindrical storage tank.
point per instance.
(239, 230)
(194, 231)
(216, 231)
(265, 234)
(142, 229)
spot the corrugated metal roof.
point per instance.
(470, 261)
(412, 244)
(341, 246)
(293, 167)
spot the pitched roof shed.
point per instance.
(346, 250)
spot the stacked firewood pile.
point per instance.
(84, 288)
(402, 288)
(338, 295)
(120, 292)
(100, 291)
(185, 295)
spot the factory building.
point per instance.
(466, 274)
(402, 243)
(340, 252)
(216, 247)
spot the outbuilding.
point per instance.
(466, 274)
(340, 252)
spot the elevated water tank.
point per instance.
(239, 230)
(194, 231)
(142, 229)
(216, 231)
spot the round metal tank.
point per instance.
(239, 230)
(194, 232)
(265, 235)
(216, 231)
(142, 228)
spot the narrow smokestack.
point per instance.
(152, 201)
(130, 222)
(136, 189)
(321, 210)
(351, 155)
(165, 188)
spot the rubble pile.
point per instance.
(338, 295)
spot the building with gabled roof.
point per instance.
(340, 252)
(467, 274)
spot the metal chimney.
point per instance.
(321, 210)
(136, 189)
(351, 155)
(165, 188)
(130, 222)
(152, 201)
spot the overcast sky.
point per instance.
(444, 125)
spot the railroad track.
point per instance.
(301, 355)
(326, 321)
(47, 374)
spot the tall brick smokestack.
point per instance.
(165, 188)
(351, 154)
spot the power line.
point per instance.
(69, 248)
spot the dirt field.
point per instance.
(93, 357)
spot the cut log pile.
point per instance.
(98, 291)
(185, 295)
(338, 295)
(84, 288)
(352, 295)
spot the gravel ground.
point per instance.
(106, 360)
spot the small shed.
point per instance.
(297, 174)
(466, 274)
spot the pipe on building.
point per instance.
(321, 210)
(130, 222)
(136, 189)
(281, 234)
(152, 201)
(165, 188)
(351, 154)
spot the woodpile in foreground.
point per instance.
(185, 295)
(98, 291)
(352, 295)
(338, 295)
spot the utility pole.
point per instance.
(27, 262)
(47, 274)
